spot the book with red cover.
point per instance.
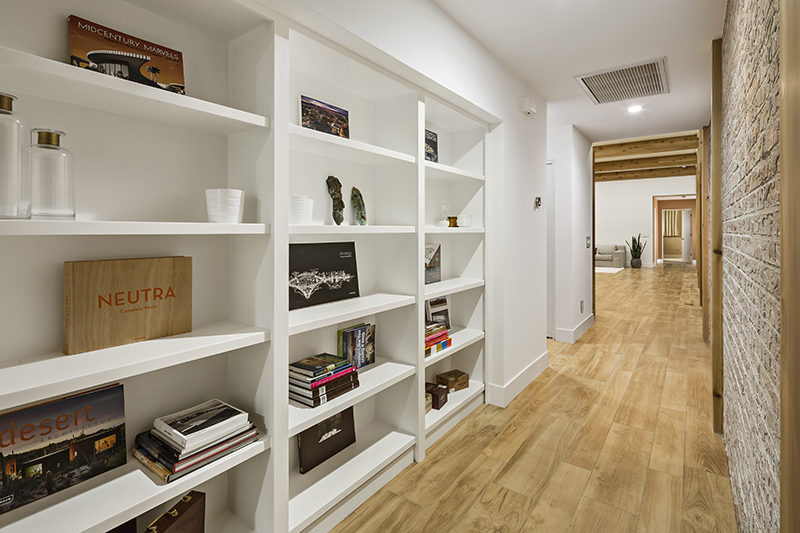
(316, 402)
(305, 390)
(319, 382)
(167, 456)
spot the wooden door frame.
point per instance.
(790, 266)
(716, 235)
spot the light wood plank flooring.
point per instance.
(614, 436)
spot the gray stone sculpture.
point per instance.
(359, 208)
(335, 190)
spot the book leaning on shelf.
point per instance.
(357, 344)
(319, 379)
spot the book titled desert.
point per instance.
(111, 52)
(54, 445)
(120, 301)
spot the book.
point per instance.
(322, 441)
(322, 389)
(340, 338)
(169, 458)
(330, 395)
(313, 383)
(436, 339)
(436, 348)
(358, 344)
(431, 146)
(201, 424)
(120, 301)
(319, 116)
(321, 273)
(113, 53)
(433, 263)
(437, 310)
(319, 364)
(50, 446)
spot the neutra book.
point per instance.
(54, 445)
(120, 301)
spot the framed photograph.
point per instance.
(321, 273)
(433, 263)
(431, 146)
(437, 310)
(327, 118)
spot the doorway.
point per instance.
(674, 229)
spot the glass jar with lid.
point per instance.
(53, 193)
(15, 190)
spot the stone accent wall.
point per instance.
(751, 259)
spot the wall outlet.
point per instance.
(581, 306)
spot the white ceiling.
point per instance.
(547, 42)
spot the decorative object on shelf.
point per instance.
(59, 443)
(431, 146)
(52, 189)
(319, 116)
(101, 49)
(321, 273)
(319, 443)
(120, 301)
(337, 205)
(300, 210)
(15, 190)
(225, 205)
(438, 394)
(437, 338)
(436, 310)
(452, 222)
(357, 344)
(444, 222)
(428, 402)
(318, 379)
(433, 263)
(182, 442)
(454, 380)
(464, 221)
(188, 515)
(359, 208)
(637, 249)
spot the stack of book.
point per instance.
(437, 338)
(190, 439)
(357, 344)
(319, 379)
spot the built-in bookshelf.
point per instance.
(239, 127)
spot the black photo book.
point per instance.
(319, 443)
(321, 273)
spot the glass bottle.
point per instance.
(51, 177)
(15, 191)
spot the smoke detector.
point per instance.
(645, 78)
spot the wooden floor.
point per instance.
(615, 436)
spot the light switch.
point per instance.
(588, 242)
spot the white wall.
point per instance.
(421, 36)
(625, 208)
(570, 150)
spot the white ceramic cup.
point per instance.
(464, 221)
(225, 205)
(297, 209)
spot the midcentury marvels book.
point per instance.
(433, 263)
(317, 115)
(431, 146)
(321, 273)
(101, 49)
(319, 443)
(119, 301)
(50, 446)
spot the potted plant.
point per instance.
(637, 249)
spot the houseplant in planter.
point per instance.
(637, 249)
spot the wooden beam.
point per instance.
(790, 266)
(716, 233)
(648, 173)
(654, 146)
(644, 156)
(703, 194)
(647, 162)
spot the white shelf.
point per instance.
(446, 172)
(451, 286)
(317, 491)
(28, 74)
(110, 499)
(461, 339)
(349, 230)
(455, 402)
(319, 316)
(372, 379)
(57, 374)
(324, 144)
(99, 227)
(436, 230)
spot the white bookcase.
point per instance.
(143, 158)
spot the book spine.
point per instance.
(171, 433)
(340, 343)
(311, 393)
(331, 378)
(153, 466)
(316, 402)
(67, 347)
(361, 347)
(436, 340)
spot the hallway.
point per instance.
(614, 436)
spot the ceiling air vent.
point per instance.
(624, 83)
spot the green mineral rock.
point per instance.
(359, 209)
(335, 190)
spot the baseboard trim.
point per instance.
(572, 335)
(501, 395)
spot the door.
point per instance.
(686, 236)
(549, 204)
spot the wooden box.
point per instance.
(438, 394)
(186, 516)
(454, 380)
(108, 303)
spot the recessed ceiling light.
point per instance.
(634, 109)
